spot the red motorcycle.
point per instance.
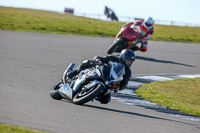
(127, 38)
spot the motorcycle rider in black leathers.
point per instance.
(127, 57)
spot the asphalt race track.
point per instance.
(31, 63)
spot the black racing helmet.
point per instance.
(127, 57)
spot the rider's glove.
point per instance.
(98, 62)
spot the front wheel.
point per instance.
(54, 91)
(115, 46)
(86, 96)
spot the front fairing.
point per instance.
(86, 76)
(118, 35)
(130, 33)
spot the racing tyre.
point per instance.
(112, 48)
(54, 91)
(84, 97)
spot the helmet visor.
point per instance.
(128, 62)
(148, 25)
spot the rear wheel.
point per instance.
(54, 91)
(115, 46)
(85, 96)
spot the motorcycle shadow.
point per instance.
(66, 100)
(161, 61)
(125, 112)
(131, 113)
(119, 111)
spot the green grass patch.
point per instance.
(18, 19)
(179, 94)
(4, 128)
(177, 33)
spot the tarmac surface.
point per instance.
(31, 63)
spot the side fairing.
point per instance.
(85, 76)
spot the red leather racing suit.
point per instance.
(145, 33)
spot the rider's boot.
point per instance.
(105, 97)
(135, 48)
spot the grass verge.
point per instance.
(4, 128)
(179, 94)
(18, 19)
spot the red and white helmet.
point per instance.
(148, 22)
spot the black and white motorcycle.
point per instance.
(89, 84)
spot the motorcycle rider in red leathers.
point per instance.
(147, 29)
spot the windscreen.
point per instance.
(119, 69)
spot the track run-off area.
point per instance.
(31, 63)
